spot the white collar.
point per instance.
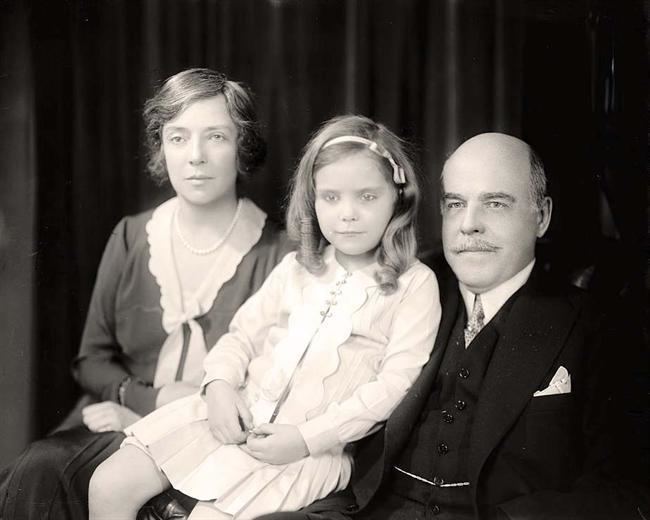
(179, 308)
(494, 299)
(333, 269)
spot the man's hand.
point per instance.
(276, 444)
(227, 413)
(108, 417)
(173, 391)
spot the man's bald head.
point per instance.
(509, 151)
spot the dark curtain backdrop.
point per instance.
(17, 215)
(567, 76)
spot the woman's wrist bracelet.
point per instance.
(121, 390)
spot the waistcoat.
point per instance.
(432, 470)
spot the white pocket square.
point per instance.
(560, 384)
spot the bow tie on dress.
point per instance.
(172, 353)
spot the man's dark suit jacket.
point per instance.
(533, 457)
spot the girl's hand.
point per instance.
(173, 391)
(108, 417)
(276, 444)
(228, 415)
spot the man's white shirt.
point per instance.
(494, 299)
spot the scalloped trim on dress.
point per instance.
(307, 328)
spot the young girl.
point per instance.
(316, 359)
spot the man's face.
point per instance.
(489, 222)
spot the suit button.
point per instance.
(438, 481)
(463, 373)
(461, 405)
(435, 509)
(443, 448)
(447, 417)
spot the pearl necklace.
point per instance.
(213, 247)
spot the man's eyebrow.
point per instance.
(498, 195)
(451, 195)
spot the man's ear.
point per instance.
(544, 216)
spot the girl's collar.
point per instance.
(365, 275)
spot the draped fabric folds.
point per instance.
(96, 63)
(436, 72)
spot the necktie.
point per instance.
(475, 321)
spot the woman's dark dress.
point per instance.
(122, 337)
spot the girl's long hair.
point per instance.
(398, 246)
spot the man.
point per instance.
(509, 417)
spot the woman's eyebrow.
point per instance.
(176, 128)
(173, 128)
(218, 127)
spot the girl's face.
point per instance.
(354, 203)
(200, 148)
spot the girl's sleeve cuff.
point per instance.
(223, 373)
(319, 435)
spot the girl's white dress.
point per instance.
(364, 349)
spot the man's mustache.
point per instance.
(475, 245)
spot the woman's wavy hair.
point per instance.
(181, 90)
(398, 246)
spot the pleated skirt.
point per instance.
(178, 439)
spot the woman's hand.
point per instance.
(108, 417)
(173, 391)
(276, 444)
(228, 415)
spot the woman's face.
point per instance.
(200, 148)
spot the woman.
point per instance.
(167, 287)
